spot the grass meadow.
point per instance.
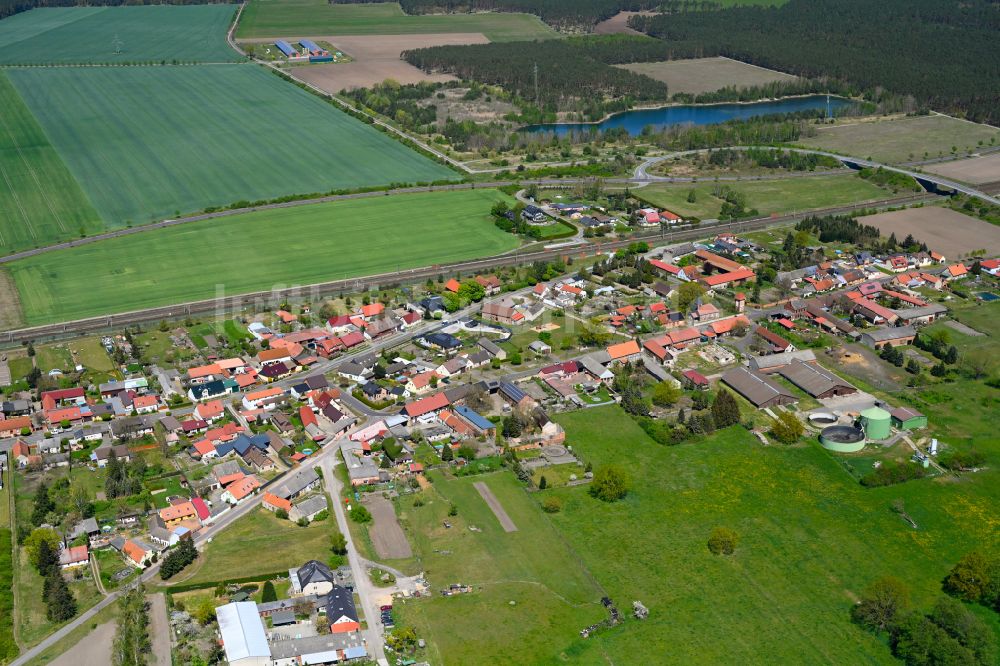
(298, 18)
(40, 201)
(777, 196)
(150, 142)
(247, 548)
(255, 251)
(531, 594)
(811, 539)
(902, 139)
(74, 35)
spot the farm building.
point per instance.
(907, 418)
(760, 390)
(815, 380)
(894, 336)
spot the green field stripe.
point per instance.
(146, 142)
(256, 251)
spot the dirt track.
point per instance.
(491, 501)
(387, 536)
(94, 648)
(946, 231)
(376, 58)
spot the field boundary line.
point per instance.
(31, 170)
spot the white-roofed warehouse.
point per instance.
(243, 634)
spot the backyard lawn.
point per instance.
(259, 543)
(811, 539)
(183, 263)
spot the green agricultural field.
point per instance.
(782, 195)
(295, 18)
(40, 202)
(811, 539)
(147, 142)
(255, 251)
(72, 35)
(518, 575)
(246, 548)
(902, 139)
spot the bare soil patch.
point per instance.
(947, 231)
(491, 501)
(94, 648)
(10, 304)
(387, 536)
(456, 108)
(701, 75)
(618, 24)
(975, 170)
(376, 58)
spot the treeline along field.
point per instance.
(148, 142)
(942, 52)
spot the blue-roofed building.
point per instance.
(444, 341)
(312, 47)
(210, 390)
(512, 393)
(243, 443)
(477, 421)
(286, 48)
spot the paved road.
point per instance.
(362, 583)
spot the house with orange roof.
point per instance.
(210, 411)
(259, 399)
(451, 420)
(226, 433)
(737, 277)
(706, 312)
(13, 427)
(955, 272)
(663, 355)
(682, 338)
(624, 351)
(146, 404)
(726, 326)
(372, 310)
(136, 554)
(20, 452)
(174, 514)
(238, 491)
(56, 416)
(420, 383)
(452, 285)
(490, 283)
(426, 406)
(273, 503)
(286, 317)
(205, 450)
(205, 373)
(294, 349)
(74, 556)
(276, 355)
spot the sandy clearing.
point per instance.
(94, 648)
(944, 230)
(491, 501)
(376, 58)
(701, 75)
(975, 170)
(618, 24)
(387, 536)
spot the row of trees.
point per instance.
(131, 645)
(770, 159)
(956, 39)
(43, 547)
(124, 479)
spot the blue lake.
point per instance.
(694, 114)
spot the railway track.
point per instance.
(229, 306)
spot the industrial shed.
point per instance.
(760, 390)
(815, 380)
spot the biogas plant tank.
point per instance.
(842, 439)
(876, 422)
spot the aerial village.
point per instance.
(463, 374)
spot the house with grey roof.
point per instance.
(297, 484)
(760, 390)
(308, 508)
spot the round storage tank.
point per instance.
(876, 422)
(842, 439)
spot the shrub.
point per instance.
(552, 504)
(892, 473)
(360, 514)
(723, 541)
(610, 484)
(281, 514)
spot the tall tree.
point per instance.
(725, 411)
